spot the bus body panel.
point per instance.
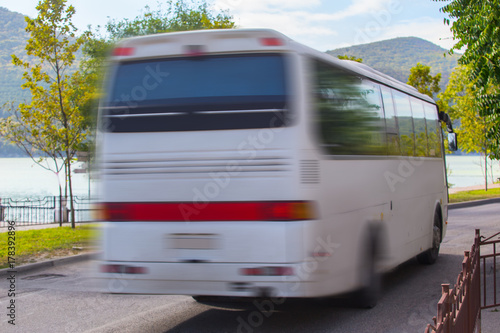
(200, 166)
(212, 242)
(352, 196)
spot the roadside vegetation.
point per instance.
(474, 195)
(43, 244)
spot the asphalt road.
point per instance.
(64, 299)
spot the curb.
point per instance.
(473, 203)
(49, 263)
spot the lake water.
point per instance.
(469, 170)
(22, 178)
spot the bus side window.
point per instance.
(371, 95)
(405, 123)
(392, 133)
(349, 114)
(417, 108)
(433, 130)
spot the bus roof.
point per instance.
(199, 42)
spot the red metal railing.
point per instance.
(459, 309)
(490, 280)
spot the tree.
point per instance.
(421, 79)
(348, 57)
(462, 104)
(52, 124)
(476, 27)
(178, 16)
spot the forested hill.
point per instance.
(12, 41)
(396, 56)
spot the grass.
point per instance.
(35, 245)
(474, 195)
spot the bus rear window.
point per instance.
(197, 93)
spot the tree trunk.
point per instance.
(486, 171)
(70, 185)
(65, 180)
(485, 146)
(60, 201)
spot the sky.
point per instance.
(321, 24)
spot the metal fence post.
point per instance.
(477, 271)
(466, 268)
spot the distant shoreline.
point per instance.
(22, 178)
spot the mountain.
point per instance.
(396, 56)
(12, 41)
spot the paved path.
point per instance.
(4, 225)
(470, 188)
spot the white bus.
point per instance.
(241, 163)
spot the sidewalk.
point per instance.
(471, 188)
(4, 225)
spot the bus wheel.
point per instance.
(430, 256)
(368, 295)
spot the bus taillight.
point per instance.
(272, 41)
(267, 271)
(194, 50)
(99, 212)
(123, 51)
(300, 210)
(123, 269)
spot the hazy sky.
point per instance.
(321, 24)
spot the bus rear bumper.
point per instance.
(217, 279)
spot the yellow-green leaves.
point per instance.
(421, 79)
(179, 16)
(462, 105)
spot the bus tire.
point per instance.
(367, 297)
(430, 256)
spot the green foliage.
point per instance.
(348, 57)
(421, 79)
(476, 27)
(178, 16)
(462, 104)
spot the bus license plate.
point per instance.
(192, 241)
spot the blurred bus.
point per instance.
(241, 163)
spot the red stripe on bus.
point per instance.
(211, 211)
